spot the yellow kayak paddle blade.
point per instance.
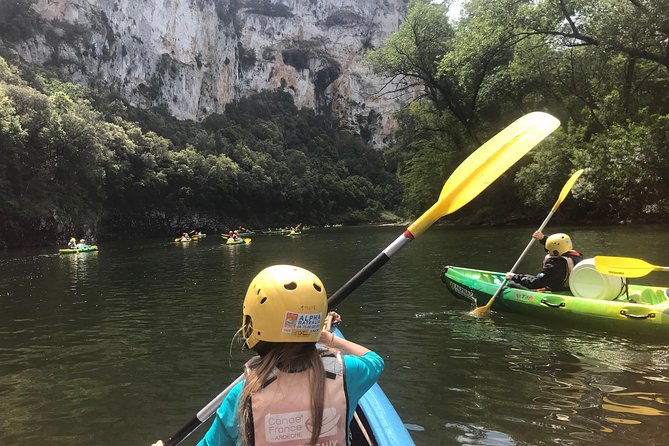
(487, 164)
(566, 188)
(625, 266)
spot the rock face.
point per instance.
(195, 56)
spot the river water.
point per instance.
(124, 346)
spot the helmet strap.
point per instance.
(261, 348)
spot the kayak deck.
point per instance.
(238, 242)
(76, 250)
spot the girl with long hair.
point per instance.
(293, 393)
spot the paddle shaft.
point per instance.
(202, 416)
(563, 194)
(369, 269)
(520, 259)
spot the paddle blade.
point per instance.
(623, 266)
(486, 164)
(566, 188)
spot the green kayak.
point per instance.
(637, 309)
(76, 250)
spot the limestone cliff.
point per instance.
(195, 56)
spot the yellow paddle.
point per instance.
(484, 310)
(625, 266)
(471, 177)
(475, 173)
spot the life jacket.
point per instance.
(281, 411)
(572, 258)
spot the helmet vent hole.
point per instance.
(318, 288)
(263, 300)
(258, 292)
(290, 286)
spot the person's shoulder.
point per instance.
(369, 361)
(361, 373)
(554, 260)
(229, 403)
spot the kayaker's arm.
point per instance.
(347, 347)
(529, 281)
(551, 277)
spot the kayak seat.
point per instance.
(652, 297)
(490, 278)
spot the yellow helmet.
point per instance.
(558, 244)
(73, 240)
(284, 303)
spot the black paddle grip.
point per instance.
(184, 432)
(355, 281)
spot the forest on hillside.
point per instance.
(83, 160)
(73, 159)
(600, 66)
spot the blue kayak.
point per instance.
(377, 420)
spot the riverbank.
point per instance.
(41, 234)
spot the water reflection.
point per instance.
(478, 435)
(576, 385)
(623, 403)
(139, 335)
(77, 266)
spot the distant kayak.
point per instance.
(239, 241)
(294, 233)
(185, 240)
(275, 232)
(76, 250)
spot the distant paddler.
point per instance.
(185, 237)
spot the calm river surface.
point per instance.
(123, 346)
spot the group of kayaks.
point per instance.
(241, 238)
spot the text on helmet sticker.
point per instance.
(302, 324)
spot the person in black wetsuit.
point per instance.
(558, 264)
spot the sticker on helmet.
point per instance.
(302, 323)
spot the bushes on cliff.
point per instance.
(71, 159)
